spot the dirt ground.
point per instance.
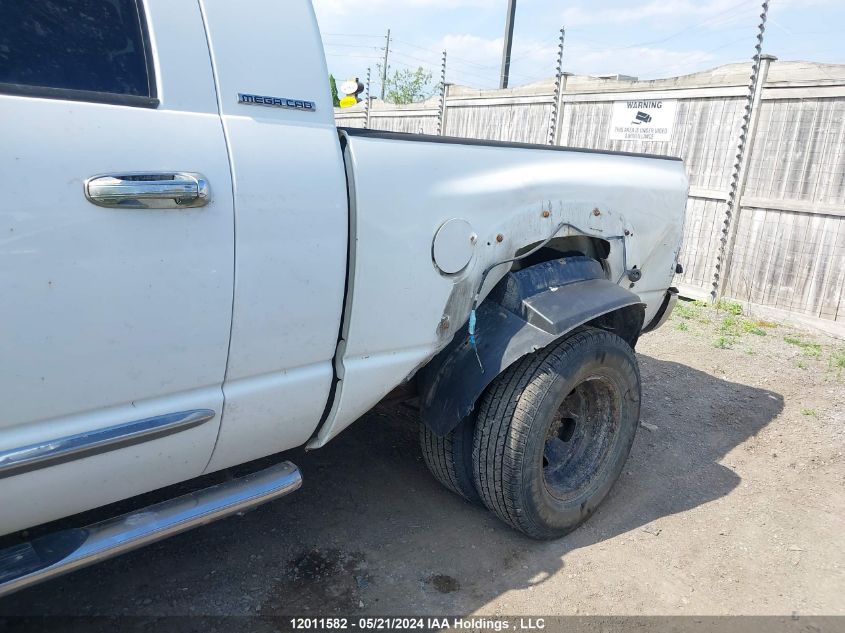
(732, 502)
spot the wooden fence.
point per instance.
(788, 255)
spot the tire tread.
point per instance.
(505, 413)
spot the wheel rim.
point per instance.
(580, 437)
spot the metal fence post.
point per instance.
(367, 102)
(560, 86)
(561, 110)
(444, 93)
(759, 71)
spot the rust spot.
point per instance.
(546, 213)
(443, 327)
(500, 237)
(596, 212)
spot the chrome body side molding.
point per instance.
(62, 552)
(20, 460)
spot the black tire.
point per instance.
(553, 432)
(450, 459)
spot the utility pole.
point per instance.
(384, 67)
(506, 53)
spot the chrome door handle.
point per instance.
(143, 190)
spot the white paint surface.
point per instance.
(290, 226)
(398, 299)
(112, 315)
(454, 244)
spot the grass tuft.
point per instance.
(686, 311)
(732, 307)
(723, 342)
(751, 327)
(767, 324)
(813, 350)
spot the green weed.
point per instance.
(686, 311)
(733, 307)
(728, 325)
(723, 342)
(750, 327)
(813, 350)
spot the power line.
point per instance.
(750, 9)
(490, 77)
(668, 67)
(376, 48)
(452, 58)
(352, 35)
(345, 55)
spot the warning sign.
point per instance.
(643, 120)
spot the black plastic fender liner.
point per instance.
(523, 314)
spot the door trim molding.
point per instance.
(64, 449)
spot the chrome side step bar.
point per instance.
(55, 554)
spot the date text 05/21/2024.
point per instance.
(420, 623)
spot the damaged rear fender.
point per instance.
(527, 311)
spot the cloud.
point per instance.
(710, 14)
(476, 60)
(642, 61)
(668, 10)
(337, 8)
(473, 59)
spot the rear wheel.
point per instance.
(553, 432)
(450, 458)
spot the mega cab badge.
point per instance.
(276, 102)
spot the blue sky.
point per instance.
(648, 38)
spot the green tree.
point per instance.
(333, 84)
(407, 86)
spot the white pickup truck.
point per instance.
(199, 269)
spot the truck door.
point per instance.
(291, 223)
(116, 253)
